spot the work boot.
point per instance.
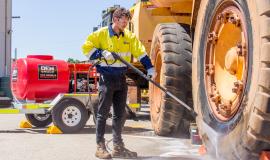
(119, 151)
(102, 152)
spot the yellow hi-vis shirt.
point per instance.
(125, 45)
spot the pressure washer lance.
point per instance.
(193, 113)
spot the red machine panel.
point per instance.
(39, 78)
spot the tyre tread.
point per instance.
(257, 137)
(176, 46)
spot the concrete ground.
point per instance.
(35, 144)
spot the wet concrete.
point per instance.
(35, 144)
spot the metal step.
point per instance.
(5, 102)
(2, 93)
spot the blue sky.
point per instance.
(58, 28)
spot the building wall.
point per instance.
(5, 37)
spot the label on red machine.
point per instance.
(14, 74)
(47, 72)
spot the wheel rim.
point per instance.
(71, 116)
(226, 61)
(41, 117)
(156, 94)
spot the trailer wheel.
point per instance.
(231, 87)
(39, 120)
(69, 115)
(171, 55)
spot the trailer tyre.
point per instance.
(171, 55)
(233, 122)
(39, 120)
(69, 115)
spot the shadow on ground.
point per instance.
(144, 116)
(168, 158)
(164, 158)
(88, 129)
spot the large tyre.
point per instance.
(69, 115)
(171, 56)
(39, 120)
(232, 44)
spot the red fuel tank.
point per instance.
(39, 78)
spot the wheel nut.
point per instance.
(215, 98)
(241, 49)
(238, 86)
(212, 38)
(234, 19)
(213, 87)
(209, 69)
(223, 17)
(234, 90)
(225, 109)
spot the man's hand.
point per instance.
(151, 72)
(107, 55)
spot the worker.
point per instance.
(112, 83)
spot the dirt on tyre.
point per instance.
(39, 120)
(230, 78)
(171, 56)
(69, 115)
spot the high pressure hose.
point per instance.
(89, 99)
(88, 86)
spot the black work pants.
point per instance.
(112, 90)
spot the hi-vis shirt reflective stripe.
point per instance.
(125, 45)
(91, 52)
